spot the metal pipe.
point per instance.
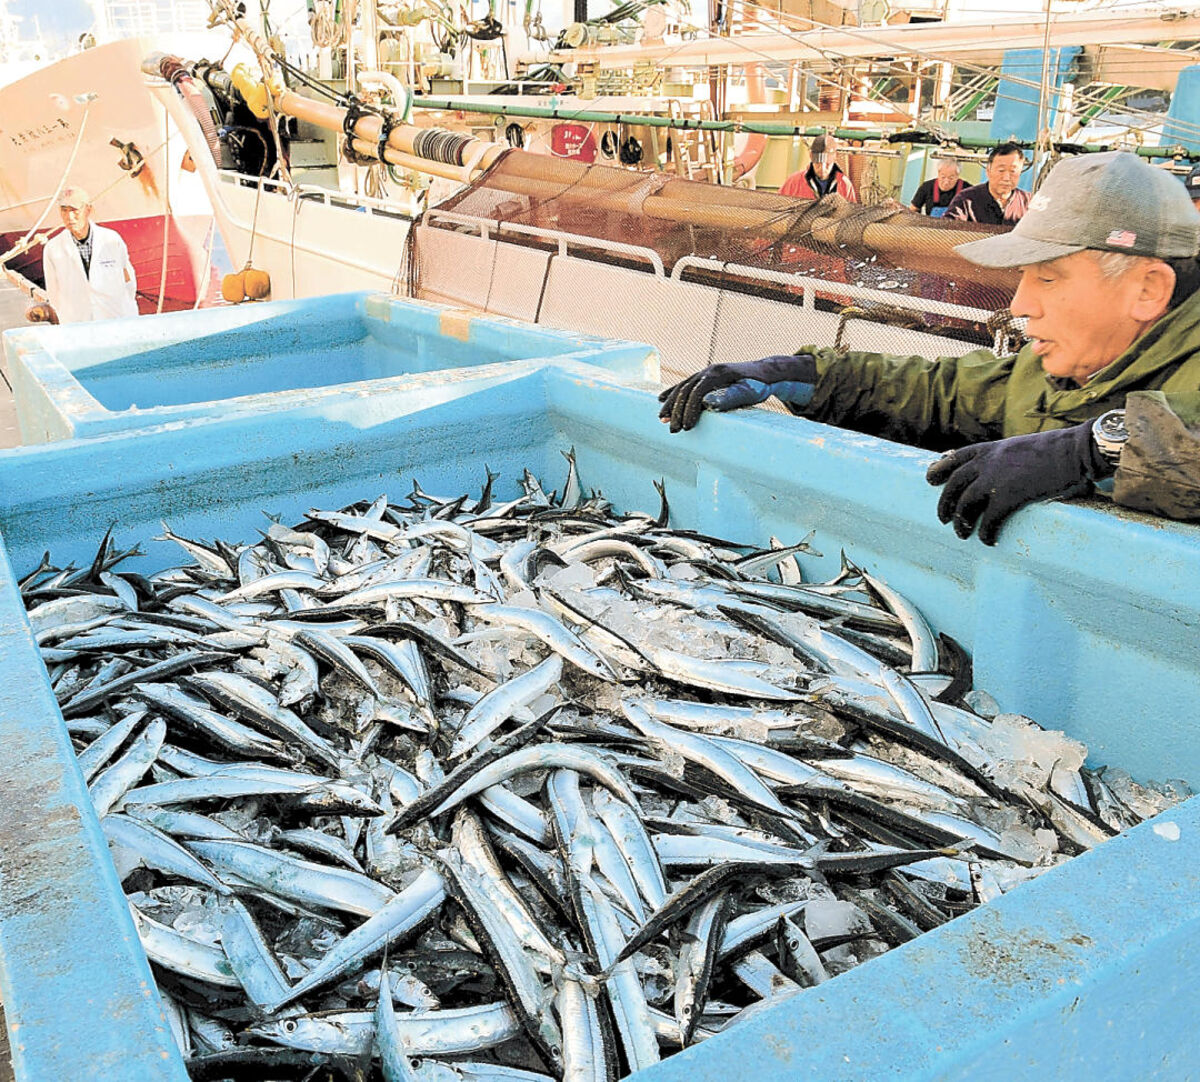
(761, 127)
(366, 134)
(676, 201)
(1043, 94)
(402, 160)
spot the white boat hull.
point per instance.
(60, 125)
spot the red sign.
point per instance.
(576, 141)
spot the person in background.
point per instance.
(936, 194)
(86, 266)
(1107, 386)
(822, 176)
(1192, 184)
(998, 200)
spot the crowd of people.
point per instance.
(998, 200)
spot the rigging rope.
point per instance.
(322, 24)
(162, 274)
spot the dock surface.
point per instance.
(12, 314)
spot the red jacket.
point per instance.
(800, 185)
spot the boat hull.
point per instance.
(89, 120)
(190, 276)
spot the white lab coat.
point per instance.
(108, 291)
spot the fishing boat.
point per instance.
(89, 121)
(433, 197)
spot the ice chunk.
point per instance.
(840, 959)
(576, 575)
(720, 811)
(672, 762)
(198, 922)
(1007, 876)
(1175, 789)
(1143, 800)
(799, 889)
(982, 703)
(306, 939)
(1047, 839)
(542, 703)
(654, 968)
(428, 769)
(749, 729)
(1021, 841)
(830, 918)
(1023, 751)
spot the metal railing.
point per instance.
(487, 226)
(809, 287)
(317, 193)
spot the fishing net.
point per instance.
(873, 268)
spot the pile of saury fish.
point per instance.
(466, 789)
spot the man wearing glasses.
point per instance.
(997, 201)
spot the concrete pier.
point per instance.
(12, 314)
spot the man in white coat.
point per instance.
(87, 268)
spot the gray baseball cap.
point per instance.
(1110, 202)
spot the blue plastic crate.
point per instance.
(1084, 618)
(85, 379)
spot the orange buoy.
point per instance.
(258, 284)
(233, 287)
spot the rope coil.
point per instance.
(353, 156)
(439, 145)
(355, 111)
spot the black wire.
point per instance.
(347, 101)
(308, 81)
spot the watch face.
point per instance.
(1111, 426)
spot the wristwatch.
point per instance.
(1109, 434)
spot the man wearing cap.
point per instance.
(1107, 386)
(822, 176)
(86, 266)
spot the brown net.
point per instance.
(836, 273)
(879, 247)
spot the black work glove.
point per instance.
(987, 482)
(789, 378)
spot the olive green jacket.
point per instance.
(952, 401)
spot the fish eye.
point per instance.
(289, 1026)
